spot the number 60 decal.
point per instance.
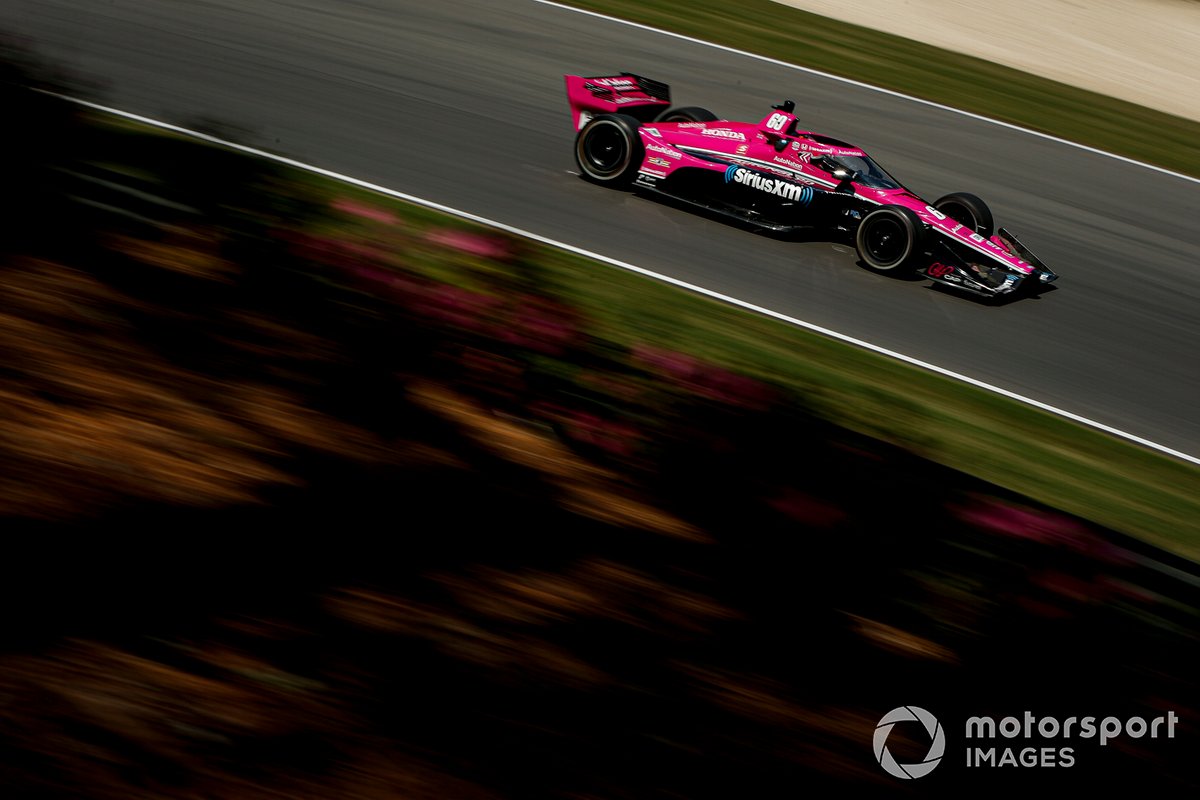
(776, 122)
(939, 270)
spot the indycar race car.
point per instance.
(776, 176)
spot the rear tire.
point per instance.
(969, 210)
(890, 239)
(687, 114)
(609, 149)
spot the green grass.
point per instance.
(1067, 466)
(916, 69)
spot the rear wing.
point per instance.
(625, 93)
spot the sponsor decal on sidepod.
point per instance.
(724, 134)
(797, 163)
(664, 150)
(775, 186)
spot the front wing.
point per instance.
(961, 269)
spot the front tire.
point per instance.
(686, 114)
(609, 149)
(969, 210)
(890, 239)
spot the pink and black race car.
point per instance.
(776, 176)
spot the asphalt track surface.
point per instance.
(462, 103)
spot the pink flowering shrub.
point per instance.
(373, 213)
(704, 379)
(541, 325)
(474, 244)
(1042, 527)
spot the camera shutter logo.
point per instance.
(937, 744)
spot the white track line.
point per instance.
(636, 269)
(862, 85)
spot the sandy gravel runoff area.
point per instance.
(1143, 51)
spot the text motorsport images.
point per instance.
(988, 733)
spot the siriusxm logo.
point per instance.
(780, 188)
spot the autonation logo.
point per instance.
(990, 742)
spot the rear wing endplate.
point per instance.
(625, 93)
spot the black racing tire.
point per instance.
(968, 209)
(687, 114)
(890, 239)
(609, 150)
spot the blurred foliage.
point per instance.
(40, 136)
(289, 513)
